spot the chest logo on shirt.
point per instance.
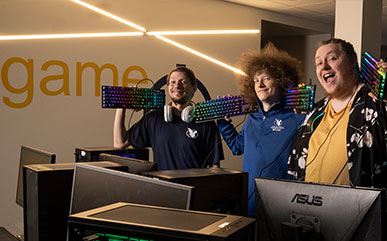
(277, 125)
(191, 133)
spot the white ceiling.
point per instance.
(322, 11)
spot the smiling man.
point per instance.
(176, 142)
(343, 140)
(266, 136)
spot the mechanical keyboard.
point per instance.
(132, 97)
(373, 77)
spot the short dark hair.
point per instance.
(347, 48)
(187, 72)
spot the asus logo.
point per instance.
(306, 199)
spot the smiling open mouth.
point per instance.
(327, 76)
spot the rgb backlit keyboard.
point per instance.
(132, 97)
(374, 77)
(221, 107)
(300, 98)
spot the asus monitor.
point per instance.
(294, 210)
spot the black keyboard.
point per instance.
(374, 77)
(221, 107)
(132, 97)
(300, 98)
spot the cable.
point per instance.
(250, 196)
(130, 118)
(134, 110)
(311, 127)
(221, 139)
(278, 156)
(346, 163)
(153, 83)
(326, 138)
(342, 169)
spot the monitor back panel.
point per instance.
(95, 187)
(47, 192)
(216, 189)
(335, 212)
(89, 154)
(135, 166)
(29, 156)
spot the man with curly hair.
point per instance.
(267, 135)
(343, 140)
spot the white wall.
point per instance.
(60, 123)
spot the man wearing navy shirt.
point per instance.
(176, 142)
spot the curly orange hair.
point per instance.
(285, 69)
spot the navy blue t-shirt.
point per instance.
(177, 144)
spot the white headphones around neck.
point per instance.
(186, 114)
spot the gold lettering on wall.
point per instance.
(28, 87)
(63, 76)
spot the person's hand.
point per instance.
(382, 64)
(227, 118)
(375, 98)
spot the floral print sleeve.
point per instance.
(366, 141)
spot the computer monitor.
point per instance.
(216, 189)
(47, 193)
(128, 221)
(295, 210)
(28, 156)
(95, 187)
(89, 154)
(135, 166)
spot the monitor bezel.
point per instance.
(146, 165)
(100, 170)
(20, 181)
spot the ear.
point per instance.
(194, 90)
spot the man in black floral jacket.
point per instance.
(343, 140)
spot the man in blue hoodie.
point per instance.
(266, 137)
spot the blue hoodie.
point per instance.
(265, 141)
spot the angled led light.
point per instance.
(103, 12)
(200, 54)
(75, 35)
(245, 31)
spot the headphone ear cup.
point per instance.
(186, 114)
(168, 117)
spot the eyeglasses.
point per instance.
(174, 82)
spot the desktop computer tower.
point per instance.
(90, 154)
(216, 189)
(47, 192)
(128, 221)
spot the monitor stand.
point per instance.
(299, 232)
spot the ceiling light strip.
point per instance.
(242, 31)
(200, 54)
(72, 35)
(103, 12)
